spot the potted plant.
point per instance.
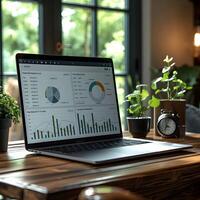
(9, 112)
(169, 91)
(138, 121)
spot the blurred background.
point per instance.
(137, 34)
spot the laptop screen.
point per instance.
(65, 100)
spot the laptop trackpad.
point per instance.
(101, 155)
(107, 154)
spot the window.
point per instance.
(104, 28)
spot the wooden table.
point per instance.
(24, 175)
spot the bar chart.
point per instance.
(56, 132)
(92, 126)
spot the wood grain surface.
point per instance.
(24, 175)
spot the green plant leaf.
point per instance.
(135, 110)
(167, 59)
(133, 106)
(177, 87)
(141, 86)
(165, 76)
(154, 83)
(154, 102)
(166, 69)
(170, 79)
(178, 81)
(188, 87)
(157, 91)
(132, 95)
(175, 72)
(181, 92)
(144, 94)
(171, 65)
(154, 86)
(164, 89)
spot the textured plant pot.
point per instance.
(4, 131)
(139, 126)
(175, 106)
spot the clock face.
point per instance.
(167, 126)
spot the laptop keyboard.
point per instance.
(95, 145)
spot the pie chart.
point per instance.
(97, 91)
(52, 94)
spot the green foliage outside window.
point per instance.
(76, 26)
(111, 38)
(20, 31)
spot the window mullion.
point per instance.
(51, 24)
(1, 47)
(1, 52)
(127, 46)
(94, 30)
(134, 64)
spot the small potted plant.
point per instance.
(9, 112)
(138, 121)
(169, 91)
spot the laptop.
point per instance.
(70, 110)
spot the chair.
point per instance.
(192, 119)
(108, 193)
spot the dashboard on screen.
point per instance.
(65, 101)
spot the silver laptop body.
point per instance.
(70, 110)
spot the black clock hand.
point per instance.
(167, 124)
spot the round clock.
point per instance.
(167, 124)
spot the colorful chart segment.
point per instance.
(97, 91)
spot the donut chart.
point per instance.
(97, 91)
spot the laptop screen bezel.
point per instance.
(63, 58)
